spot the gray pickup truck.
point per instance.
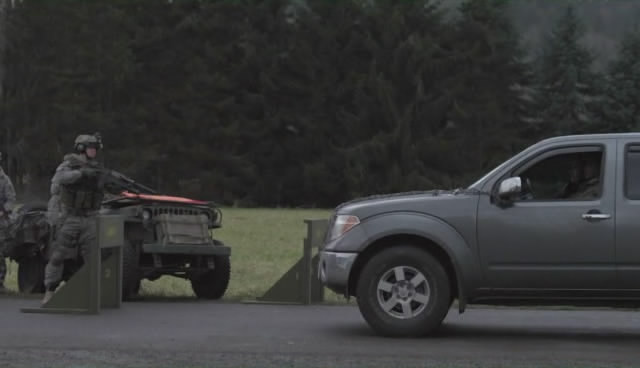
(557, 224)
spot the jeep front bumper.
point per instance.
(334, 269)
(190, 249)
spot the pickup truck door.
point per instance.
(559, 234)
(628, 214)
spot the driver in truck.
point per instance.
(584, 181)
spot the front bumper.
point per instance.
(334, 269)
(190, 249)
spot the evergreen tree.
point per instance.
(397, 102)
(568, 87)
(621, 110)
(490, 83)
(63, 78)
(290, 103)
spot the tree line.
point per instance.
(284, 103)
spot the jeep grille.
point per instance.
(155, 211)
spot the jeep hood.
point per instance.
(162, 198)
(127, 198)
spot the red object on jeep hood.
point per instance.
(162, 198)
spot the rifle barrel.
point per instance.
(127, 183)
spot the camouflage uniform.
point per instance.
(7, 200)
(54, 207)
(76, 196)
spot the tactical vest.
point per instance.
(86, 194)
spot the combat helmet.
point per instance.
(84, 141)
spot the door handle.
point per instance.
(595, 216)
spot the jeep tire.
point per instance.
(31, 275)
(403, 291)
(213, 283)
(130, 272)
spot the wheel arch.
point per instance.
(421, 242)
(430, 234)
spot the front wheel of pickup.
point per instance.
(403, 291)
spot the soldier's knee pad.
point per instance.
(57, 258)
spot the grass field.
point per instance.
(264, 243)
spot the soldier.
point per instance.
(77, 194)
(7, 200)
(53, 206)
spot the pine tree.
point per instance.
(488, 85)
(621, 110)
(397, 102)
(568, 86)
(66, 66)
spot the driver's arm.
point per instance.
(565, 192)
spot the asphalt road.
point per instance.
(213, 334)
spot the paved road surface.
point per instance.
(210, 334)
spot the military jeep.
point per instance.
(164, 235)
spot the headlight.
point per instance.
(343, 224)
(146, 215)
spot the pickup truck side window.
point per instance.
(632, 172)
(574, 176)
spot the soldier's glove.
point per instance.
(88, 172)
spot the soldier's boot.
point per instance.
(47, 296)
(51, 289)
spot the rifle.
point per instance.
(116, 182)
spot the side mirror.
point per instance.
(510, 187)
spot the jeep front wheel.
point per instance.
(213, 283)
(31, 275)
(130, 271)
(403, 291)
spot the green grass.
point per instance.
(265, 243)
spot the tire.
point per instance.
(130, 272)
(419, 307)
(213, 283)
(31, 275)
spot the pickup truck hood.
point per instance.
(448, 205)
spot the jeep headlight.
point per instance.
(214, 218)
(342, 224)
